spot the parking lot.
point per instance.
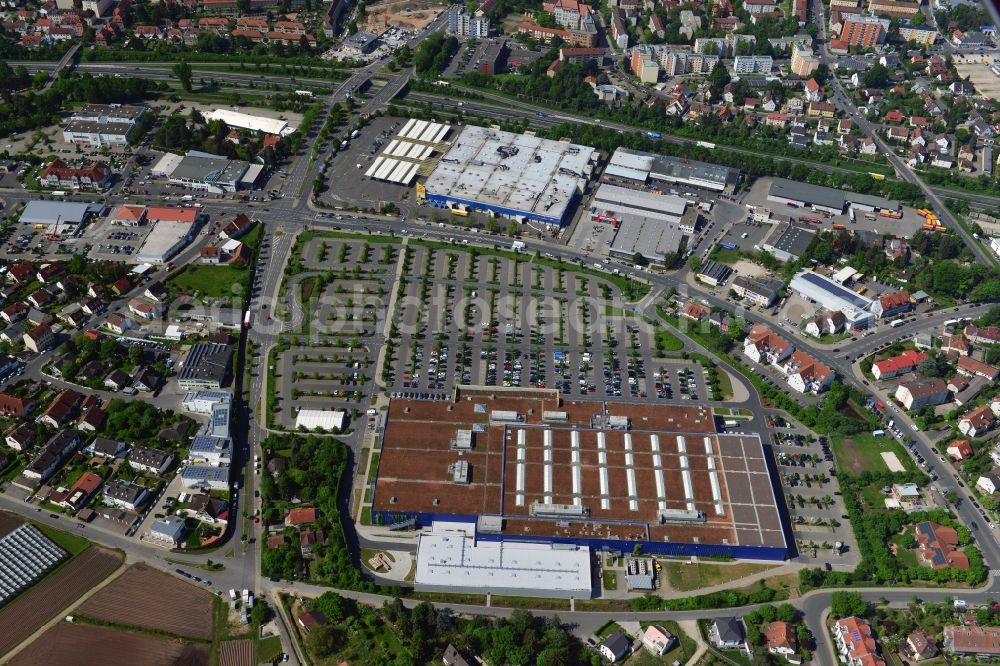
(812, 495)
(345, 171)
(338, 301)
(905, 227)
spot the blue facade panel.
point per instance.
(442, 201)
(652, 547)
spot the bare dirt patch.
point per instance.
(30, 611)
(177, 607)
(69, 644)
(394, 14)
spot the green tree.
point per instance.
(182, 70)
(846, 604)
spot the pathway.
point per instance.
(690, 627)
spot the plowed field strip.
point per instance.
(177, 607)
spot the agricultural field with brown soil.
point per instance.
(177, 608)
(26, 614)
(68, 644)
(238, 653)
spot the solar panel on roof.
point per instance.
(836, 289)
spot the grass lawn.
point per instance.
(268, 649)
(685, 577)
(71, 543)
(861, 453)
(725, 385)
(667, 341)
(607, 629)
(610, 580)
(725, 256)
(907, 558)
(209, 281)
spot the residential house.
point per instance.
(301, 516)
(762, 345)
(814, 92)
(856, 643)
(658, 640)
(971, 367)
(938, 546)
(309, 538)
(826, 322)
(897, 365)
(125, 495)
(61, 408)
(694, 312)
(14, 405)
(168, 531)
(977, 422)
(79, 493)
(118, 323)
(973, 641)
(106, 448)
(150, 460)
(806, 374)
(892, 304)
(755, 291)
(959, 449)
(727, 633)
(52, 455)
(989, 335)
(781, 639)
(954, 344)
(917, 393)
(39, 339)
(921, 646)
(117, 379)
(21, 437)
(989, 482)
(615, 647)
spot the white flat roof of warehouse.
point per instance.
(639, 202)
(247, 121)
(161, 239)
(166, 164)
(323, 419)
(454, 559)
(518, 172)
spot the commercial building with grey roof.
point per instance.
(102, 124)
(59, 212)
(825, 198)
(787, 242)
(206, 366)
(516, 176)
(648, 224)
(637, 168)
(212, 173)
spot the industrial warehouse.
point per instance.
(633, 168)
(525, 466)
(649, 224)
(516, 176)
(827, 199)
(210, 173)
(834, 297)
